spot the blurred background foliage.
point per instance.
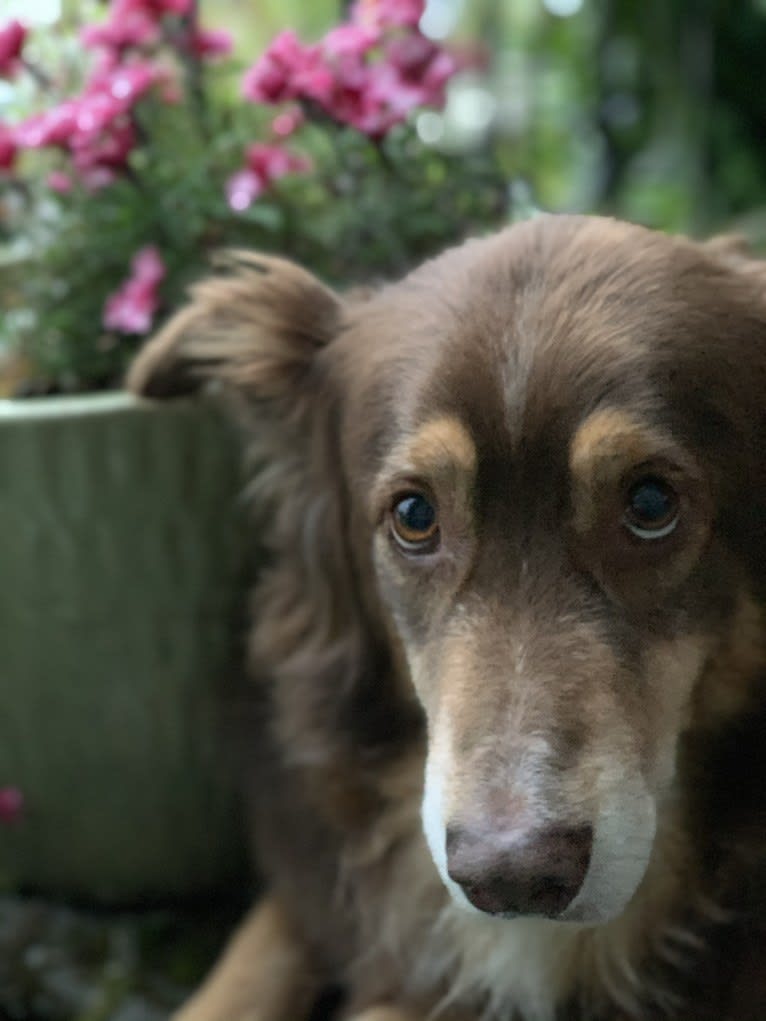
(655, 112)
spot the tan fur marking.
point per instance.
(263, 975)
(442, 451)
(441, 443)
(604, 447)
(671, 672)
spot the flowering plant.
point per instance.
(116, 182)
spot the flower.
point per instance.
(98, 159)
(423, 65)
(122, 170)
(12, 37)
(134, 28)
(131, 309)
(106, 98)
(132, 23)
(369, 72)
(382, 14)
(95, 127)
(273, 161)
(264, 164)
(60, 182)
(11, 805)
(271, 79)
(350, 41)
(288, 122)
(169, 6)
(210, 42)
(8, 147)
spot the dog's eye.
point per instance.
(415, 523)
(652, 508)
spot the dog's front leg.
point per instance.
(263, 975)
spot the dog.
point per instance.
(509, 761)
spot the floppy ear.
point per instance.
(256, 325)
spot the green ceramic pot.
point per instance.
(121, 582)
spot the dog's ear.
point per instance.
(258, 327)
(255, 325)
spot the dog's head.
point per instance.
(544, 458)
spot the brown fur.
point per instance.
(524, 380)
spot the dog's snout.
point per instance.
(535, 873)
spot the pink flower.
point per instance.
(126, 83)
(289, 70)
(95, 127)
(242, 189)
(264, 164)
(171, 6)
(382, 14)
(132, 23)
(314, 80)
(11, 805)
(52, 127)
(131, 309)
(369, 73)
(422, 64)
(288, 122)
(12, 37)
(132, 28)
(59, 181)
(105, 152)
(8, 147)
(273, 161)
(211, 42)
(270, 79)
(350, 41)
(147, 266)
(107, 97)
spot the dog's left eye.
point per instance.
(414, 523)
(652, 508)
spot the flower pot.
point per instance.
(121, 556)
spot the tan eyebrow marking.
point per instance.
(442, 451)
(611, 434)
(603, 448)
(442, 444)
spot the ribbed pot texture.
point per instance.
(123, 561)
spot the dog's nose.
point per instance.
(539, 873)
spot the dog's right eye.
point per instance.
(652, 509)
(415, 523)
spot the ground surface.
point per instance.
(61, 964)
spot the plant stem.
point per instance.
(193, 66)
(42, 79)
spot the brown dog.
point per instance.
(511, 644)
